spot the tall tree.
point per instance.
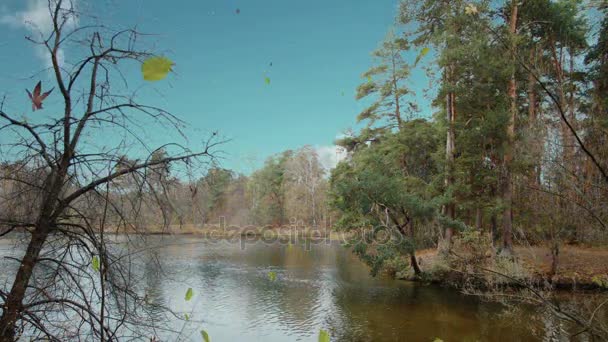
(386, 83)
(507, 181)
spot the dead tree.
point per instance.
(71, 281)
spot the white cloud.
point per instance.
(330, 156)
(36, 19)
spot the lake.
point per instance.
(317, 286)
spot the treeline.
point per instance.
(515, 144)
(289, 189)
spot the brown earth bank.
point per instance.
(580, 268)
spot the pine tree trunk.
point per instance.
(478, 218)
(534, 179)
(554, 258)
(494, 230)
(507, 218)
(396, 95)
(450, 208)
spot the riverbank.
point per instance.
(580, 268)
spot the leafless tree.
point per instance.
(72, 281)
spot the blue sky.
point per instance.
(318, 50)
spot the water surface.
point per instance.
(318, 286)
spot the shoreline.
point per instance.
(583, 269)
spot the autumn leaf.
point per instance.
(205, 336)
(189, 294)
(95, 263)
(323, 336)
(156, 68)
(422, 54)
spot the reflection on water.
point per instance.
(321, 287)
(325, 287)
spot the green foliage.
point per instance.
(266, 189)
(217, 185)
(272, 275)
(156, 68)
(386, 84)
(447, 222)
(385, 189)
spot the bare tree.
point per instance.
(72, 281)
(305, 185)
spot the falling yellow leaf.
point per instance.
(205, 336)
(189, 294)
(156, 68)
(323, 336)
(95, 263)
(422, 54)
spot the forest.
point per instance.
(496, 186)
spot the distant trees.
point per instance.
(305, 188)
(290, 188)
(267, 191)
